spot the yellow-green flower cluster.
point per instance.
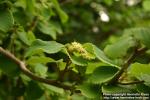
(78, 48)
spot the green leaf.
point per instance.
(77, 60)
(8, 66)
(63, 16)
(25, 79)
(101, 56)
(138, 69)
(21, 3)
(61, 64)
(141, 34)
(51, 88)
(120, 48)
(22, 35)
(141, 71)
(39, 59)
(30, 4)
(114, 89)
(48, 29)
(31, 36)
(90, 90)
(93, 65)
(6, 20)
(146, 4)
(146, 78)
(41, 70)
(89, 48)
(103, 74)
(33, 91)
(44, 46)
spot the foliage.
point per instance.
(45, 62)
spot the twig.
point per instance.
(23, 68)
(33, 23)
(126, 65)
(62, 74)
(130, 83)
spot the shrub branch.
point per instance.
(27, 72)
(127, 63)
(66, 69)
(33, 23)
